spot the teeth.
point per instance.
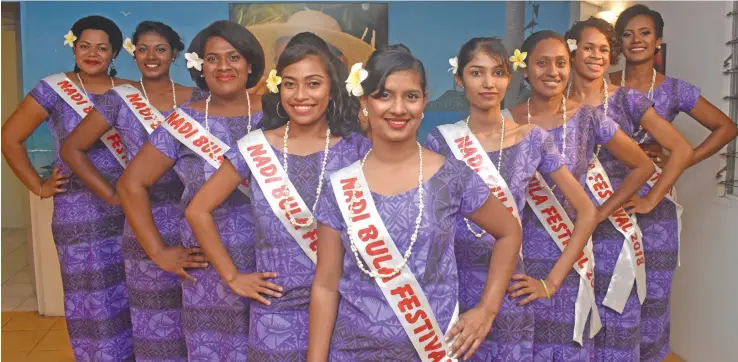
(152, 65)
(303, 108)
(397, 123)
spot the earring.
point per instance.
(279, 115)
(422, 115)
(202, 76)
(365, 112)
(112, 66)
(658, 47)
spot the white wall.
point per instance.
(15, 206)
(705, 294)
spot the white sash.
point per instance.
(671, 196)
(145, 113)
(274, 182)
(195, 137)
(554, 219)
(403, 292)
(631, 263)
(81, 104)
(459, 140)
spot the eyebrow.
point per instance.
(306, 77)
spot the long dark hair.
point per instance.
(342, 111)
(387, 60)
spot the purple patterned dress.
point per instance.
(155, 296)
(554, 318)
(620, 336)
(661, 233)
(215, 319)
(511, 337)
(279, 332)
(88, 236)
(366, 327)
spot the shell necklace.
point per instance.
(650, 97)
(563, 137)
(81, 83)
(174, 92)
(207, 124)
(606, 93)
(413, 238)
(499, 165)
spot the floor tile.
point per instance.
(37, 355)
(21, 341)
(28, 305)
(55, 340)
(7, 316)
(9, 304)
(29, 321)
(21, 277)
(60, 323)
(17, 290)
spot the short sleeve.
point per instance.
(604, 128)
(45, 96)
(551, 158)
(436, 143)
(109, 105)
(687, 95)
(636, 104)
(165, 142)
(363, 144)
(235, 157)
(327, 212)
(474, 191)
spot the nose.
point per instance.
(488, 82)
(301, 94)
(398, 107)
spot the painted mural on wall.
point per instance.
(433, 30)
(352, 30)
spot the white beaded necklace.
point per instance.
(174, 92)
(606, 92)
(650, 97)
(82, 84)
(499, 166)
(207, 108)
(413, 238)
(285, 165)
(563, 137)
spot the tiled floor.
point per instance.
(28, 337)
(18, 292)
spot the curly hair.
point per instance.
(576, 30)
(530, 43)
(96, 22)
(166, 32)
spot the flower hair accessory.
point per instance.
(69, 39)
(572, 43)
(353, 82)
(273, 81)
(518, 59)
(454, 62)
(194, 61)
(128, 46)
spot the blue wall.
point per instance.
(433, 30)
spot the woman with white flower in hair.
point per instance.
(134, 110)
(87, 229)
(566, 313)
(309, 133)
(226, 59)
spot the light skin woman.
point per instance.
(392, 168)
(485, 81)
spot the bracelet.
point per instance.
(548, 295)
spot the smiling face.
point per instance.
(484, 80)
(395, 113)
(639, 39)
(153, 55)
(225, 69)
(93, 52)
(306, 90)
(592, 57)
(548, 67)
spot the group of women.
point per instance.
(206, 247)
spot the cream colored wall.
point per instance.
(15, 203)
